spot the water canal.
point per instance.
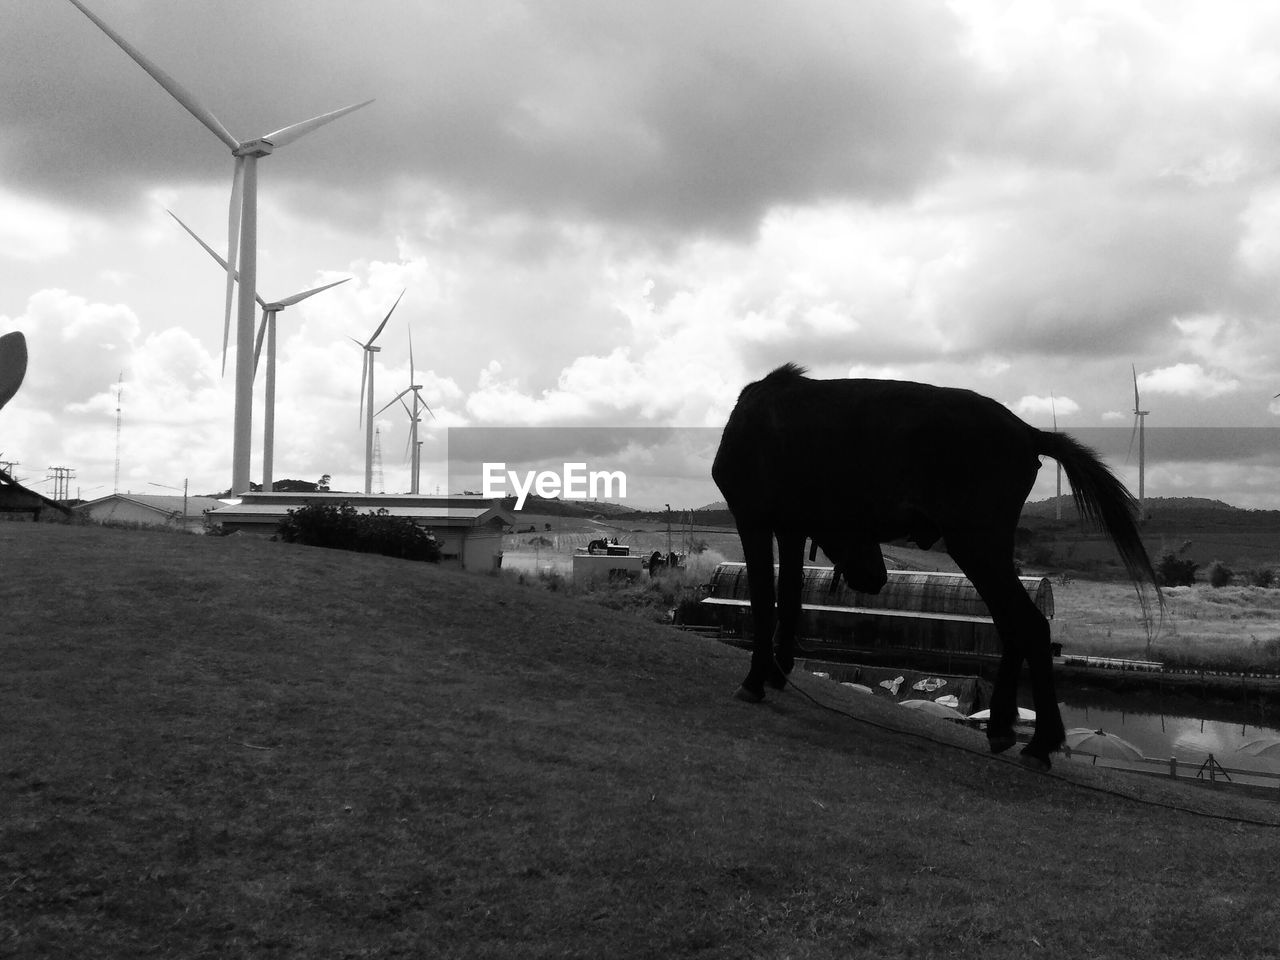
(1162, 726)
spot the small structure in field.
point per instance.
(917, 612)
(603, 560)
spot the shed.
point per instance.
(469, 528)
(151, 510)
(15, 498)
(914, 611)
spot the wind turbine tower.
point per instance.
(242, 233)
(1057, 500)
(377, 461)
(119, 394)
(366, 394)
(1140, 427)
(267, 329)
(414, 447)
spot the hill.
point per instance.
(232, 747)
(1046, 509)
(1197, 529)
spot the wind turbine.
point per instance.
(267, 328)
(1057, 500)
(366, 408)
(1139, 428)
(242, 234)
(414, 419)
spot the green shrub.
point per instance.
(1172, 571)
(1219, 574)
(1261, 578)
(342, 527)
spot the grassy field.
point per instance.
(226, 747)
(1234, 627)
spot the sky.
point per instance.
(608, 215)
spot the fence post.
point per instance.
(1173, 768)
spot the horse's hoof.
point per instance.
(1033, 762)
(777, 680)
(1001, 742)
(749, 696)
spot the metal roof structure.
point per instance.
(268, 509)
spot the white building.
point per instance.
(469, 528)
(148, 510)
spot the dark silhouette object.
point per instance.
(13, 364)
(656, 562)
(598, 545)
(855, 463)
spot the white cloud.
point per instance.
(1188, 380)
(1033, 407)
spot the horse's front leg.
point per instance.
(757, 549)
(790, 586)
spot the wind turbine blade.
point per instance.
(1053, 406)
(384, 320)
(395, 398)
(233, 249)
(217, 256)
(174, 88)
(196, 237)
(1136, 405)
(286, 135)
(1132, 434)
(257, 346)
(411, 354)
(299, 297)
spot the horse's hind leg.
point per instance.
(1024, 633)
(790, 587)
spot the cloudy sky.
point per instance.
(615, 215)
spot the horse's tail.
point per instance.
(1103, 500)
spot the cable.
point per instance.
(1096, 788)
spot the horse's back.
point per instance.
(871, 440)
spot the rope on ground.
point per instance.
(1095, 788)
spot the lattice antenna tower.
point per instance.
(377, 460)
(119, 393)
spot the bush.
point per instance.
(1172, 571)
(344, 528)
(1261, 578)
(1219, 574)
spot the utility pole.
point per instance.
(62, 477)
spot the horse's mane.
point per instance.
(788, 371)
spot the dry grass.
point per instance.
(234, 748)
(1235, 628)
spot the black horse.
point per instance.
(852, 464)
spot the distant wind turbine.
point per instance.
(1139, 428)
(1057, 502)
(414, 419)
(268, 329)
(242, 234)
(366, 399)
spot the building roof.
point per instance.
(166, 504)
(268, 508)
